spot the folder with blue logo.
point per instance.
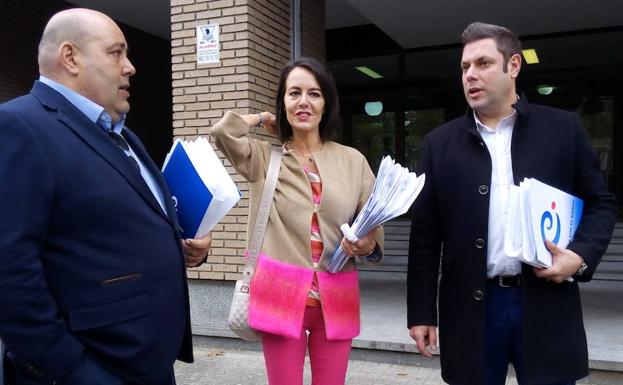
(540, 212)
(202, 190)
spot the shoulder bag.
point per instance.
(238, 319)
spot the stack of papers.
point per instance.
(394, 191)
(539, 212)
(203, 192)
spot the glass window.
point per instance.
(374, 136)
(597, 115)
(417, 124)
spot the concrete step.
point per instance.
(616, 277)
(607, 266)
(383, 275)
(392, 260)
(396, 237)
(396, 252)
(615, 248)
(397, 228)
(400, 244)
(613, 257)
(395, 261)
(400, 222)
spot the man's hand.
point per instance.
(424, 335)
(196, 250)
(565, 263)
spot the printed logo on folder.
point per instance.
(547, 222)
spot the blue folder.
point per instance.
(190, 194)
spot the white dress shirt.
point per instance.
(498, 141)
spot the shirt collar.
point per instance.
(506, 121)
(105, 121)
(92, 110)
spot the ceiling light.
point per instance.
(371, 73)
(530, 56)
(544, 89)
(373, 108)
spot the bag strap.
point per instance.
(262, 215)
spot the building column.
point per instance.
(254, 46)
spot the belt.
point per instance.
(505, 281)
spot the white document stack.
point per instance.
(203, 191)
(540, 212)
(394, 191)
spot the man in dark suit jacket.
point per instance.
(92, 268)
(492, 310)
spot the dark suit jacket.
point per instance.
(451, 215)
(88, 259)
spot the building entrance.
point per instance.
(390, 101)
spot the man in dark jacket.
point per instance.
(92, 267)
(493, 310)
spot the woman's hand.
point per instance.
(268, 120)
(269, 123)
(363, 247)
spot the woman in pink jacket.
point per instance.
(295, 302)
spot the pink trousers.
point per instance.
(285, 356)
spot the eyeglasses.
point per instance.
(123, 144)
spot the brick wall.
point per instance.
(255, 44)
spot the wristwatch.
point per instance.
(261, 122)
(582, 269)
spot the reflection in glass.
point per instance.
(417, 124)
(374, 136)
(597, 115)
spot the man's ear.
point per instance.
(514, 65)
(69, 57)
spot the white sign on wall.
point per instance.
(208, 44)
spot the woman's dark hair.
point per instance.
(329, 92)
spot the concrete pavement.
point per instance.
(383, 315)
(227, 361)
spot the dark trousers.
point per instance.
(503, 335)
(86, 372)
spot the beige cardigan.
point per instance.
(347, 182)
